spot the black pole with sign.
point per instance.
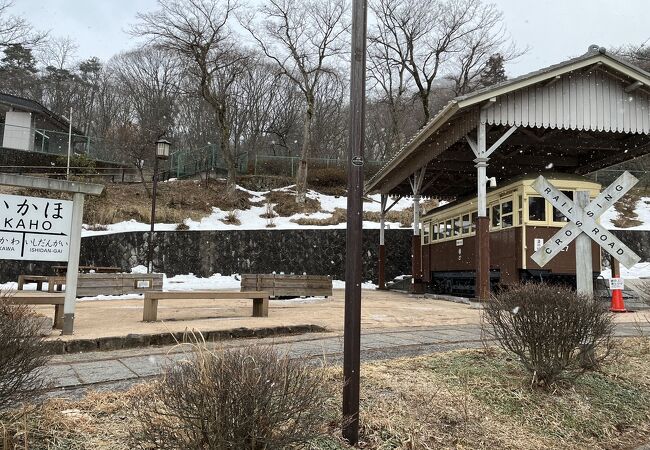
(353, 265)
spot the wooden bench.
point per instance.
(151, 298)
(62, 270)
(41, 298)
(281, 285)
(38, 279)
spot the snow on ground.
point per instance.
(190, 282)
(250, 219)
(642, 210)
(338, 284)
(640, 270)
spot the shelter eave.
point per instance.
(420, 137)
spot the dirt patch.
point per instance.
(328, 180)
(284, 204)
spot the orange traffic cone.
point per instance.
(618, 305)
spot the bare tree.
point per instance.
(199, 32)
(15, 30)
(300, 37)
(58, 52)
(390, 81)
(148, 78)
(426, 39)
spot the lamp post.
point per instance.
(162, 152)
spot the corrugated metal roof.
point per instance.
(448, 114)
(35, 107)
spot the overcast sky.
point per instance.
(553, 30)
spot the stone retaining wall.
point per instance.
(315, 252)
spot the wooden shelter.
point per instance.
(578, 116)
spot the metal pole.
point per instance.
(72, 272)
(67, 172)
(353, 266)
(382, 251)
(482, 225)
(153, 214)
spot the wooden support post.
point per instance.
(416, 249)
(483, 260)
(261, 307)
(72, 272)
(382, 250)
(615, 267)
(584, 265)
(150, 313)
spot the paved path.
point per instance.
(72, 375)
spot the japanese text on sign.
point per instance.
(33, 228)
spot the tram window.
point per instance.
(506, 221)
(496, 216)
(457, 226)
(448, 228)
(467, 224)
(506, 214)
(434, 235)
(426, 229)
(474, 219)
(557, 215)
(441, 230)
(536, 209)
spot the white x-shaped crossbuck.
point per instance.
(584, 220)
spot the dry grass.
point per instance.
(177, 200)
(625, 207)
(404, 217)
(232, 218)
(478, 399)
(284, 204)
(338, 216)
(481, 399)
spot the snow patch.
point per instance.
(250, 219)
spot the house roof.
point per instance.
(437, 143)
(33, 106)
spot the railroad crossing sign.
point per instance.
(583, 220)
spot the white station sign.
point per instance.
(584, 221)
(33, 228)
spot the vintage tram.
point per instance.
(520, 222)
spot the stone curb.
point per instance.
(59, 347)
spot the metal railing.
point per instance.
(189, 163)
(288, 165)
(56, 143)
